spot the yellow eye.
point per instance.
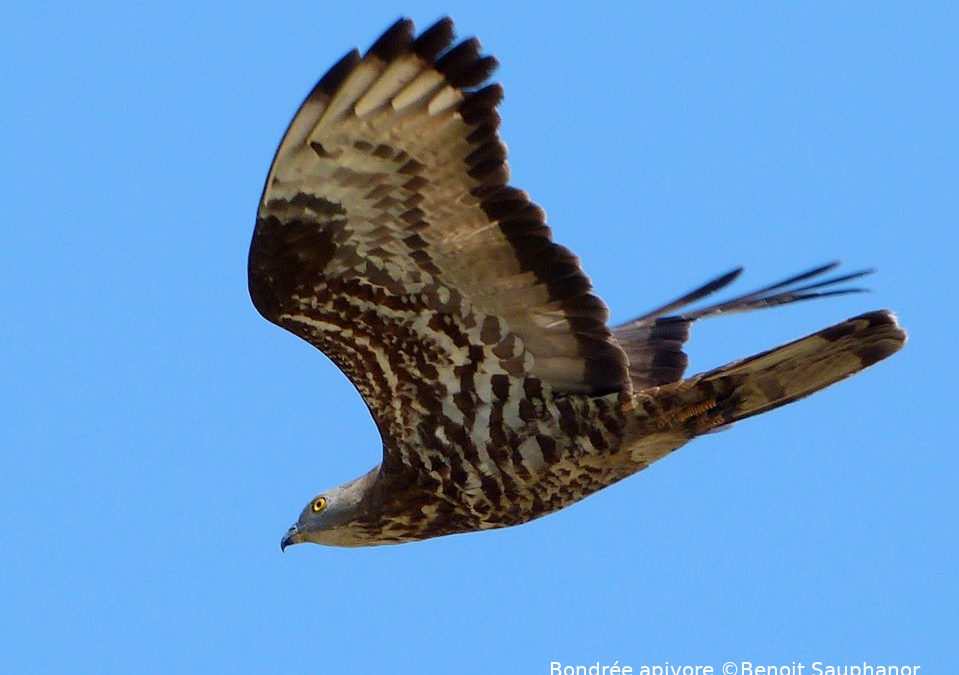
(319, 504)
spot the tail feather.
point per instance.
(785, 374)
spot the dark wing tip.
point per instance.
(722, 280)
(692, 296)
(479, 107)
(396, 40)
(463, 66)
(336, 75)
(644, 341)
(786, 291)
(435, 39)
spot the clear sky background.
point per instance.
(158, 437)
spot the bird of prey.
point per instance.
(388, 237)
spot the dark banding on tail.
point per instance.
(785, 374)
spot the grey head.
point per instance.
(331, 518)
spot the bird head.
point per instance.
(330, 517)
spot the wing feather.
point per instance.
(394, 172)
(654, 341)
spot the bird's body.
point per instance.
(506, 470)
(388, 238)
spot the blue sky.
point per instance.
(158, 436)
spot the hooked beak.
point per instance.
(292, 536)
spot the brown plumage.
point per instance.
(387, 236)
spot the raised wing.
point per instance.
(654, 342)
(387, 236)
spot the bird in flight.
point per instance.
(389, 237)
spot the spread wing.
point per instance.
(388, 237)
(654, 342)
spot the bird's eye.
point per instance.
(319, 504)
